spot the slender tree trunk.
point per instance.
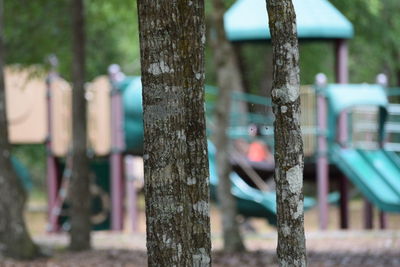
(15, 240)
(79, 194)
(228, 79)
(289, 157)
(242, 67)
(172, 38)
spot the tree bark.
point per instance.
(15, 240)
(79, 193)
(289, 158)
(172, 38)
(228, 80)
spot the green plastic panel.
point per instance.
(101, 202)
(346, 96)
(367, 178)
(23, 173)
(131, 90)
(247, 20)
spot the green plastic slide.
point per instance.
(374, 172)
(251, 202)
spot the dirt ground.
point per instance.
(333, 248)
(354, 247)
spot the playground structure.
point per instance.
(382, 191)
(246, 21)
(116, 129)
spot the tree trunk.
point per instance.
(242, 67)
(228, 79)
(172, 37)
(79, 194)
(15, 240)
(289, 158)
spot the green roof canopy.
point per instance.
(345, 96)
(316, 19)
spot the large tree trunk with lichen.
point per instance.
(228, 80)
(289, 158)
(79, 193)
(15, 240)
(172, 37)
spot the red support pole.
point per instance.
(382, 220)
(342, 76)
(368, 215)
(51, 161)
(117, 170)
(322, 159)
(342, 58)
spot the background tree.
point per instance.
(376, 45)
(289, 157)
(44, 27)
(111, 34)
(172, 39)
(228, 80)
(15, 240)
(79, 193)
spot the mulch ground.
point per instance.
(333, 248)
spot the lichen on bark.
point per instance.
(172, 37)
(289, 158)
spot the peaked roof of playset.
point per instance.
(345, 96)
(247, 20)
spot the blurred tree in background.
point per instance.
(79, 188)
(35, 29)
(15, 240)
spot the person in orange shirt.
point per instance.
(258, 151)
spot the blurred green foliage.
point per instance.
(36, 29)
(376, 46)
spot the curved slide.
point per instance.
(251, 202)
(376, 173)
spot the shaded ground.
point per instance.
(332, 248)
(335, 248)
